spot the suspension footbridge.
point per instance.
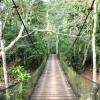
(53, 84)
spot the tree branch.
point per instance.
(37, 30)
(16, 39)
(20, 36)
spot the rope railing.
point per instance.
(84, 88)
(20, 18)
(24, 89)
(16, 9)
(80, 31)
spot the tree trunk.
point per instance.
(47, 27)
(4, 63)
(48, 43)
(93, 43)
(3, 56)
(86, 52)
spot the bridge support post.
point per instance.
(57, 42)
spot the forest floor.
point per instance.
(88, 75)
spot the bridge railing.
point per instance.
(23, 90)
(84, 88)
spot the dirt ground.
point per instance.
(89, 74)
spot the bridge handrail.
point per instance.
(23, 89)
(83, 87)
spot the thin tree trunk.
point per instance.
(24, 59)
(4, 63)
(86, 52)
(93, 43)
(48, 43)
(3, 56)
(47, 27)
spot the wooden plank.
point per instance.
(53, 85)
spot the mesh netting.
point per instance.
(23, 90)
(84, 88)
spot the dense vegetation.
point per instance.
(48, 23)
(67, 17)
(23, 52)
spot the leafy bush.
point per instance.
(20, 73)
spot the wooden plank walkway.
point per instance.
(53, 85)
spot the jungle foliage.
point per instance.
(61, 17)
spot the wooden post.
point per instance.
(57, 41)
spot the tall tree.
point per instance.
(3, 53)
(94, 41)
